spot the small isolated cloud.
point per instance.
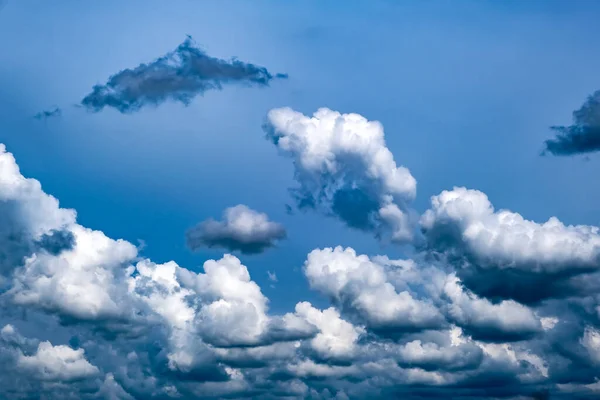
(272, 276)
(241, 229)
(179, 76)
(583, 136)
(46, 114)
(344, 168)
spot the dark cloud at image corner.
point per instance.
(583, 136)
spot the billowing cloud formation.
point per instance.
(242, 229)
(87, 317)
(180, 76)
(502, 254)
(344, 169)
(581, 137)
(43, 115)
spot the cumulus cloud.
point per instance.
(241, 229)
(583, 136)
(361, 286)
(344, 168)
(99, 321)
(505, 254)
(179, 75)
(57, 363)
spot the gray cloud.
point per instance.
(179, 76)
(583, 136)
(52, 113)
(242, 229)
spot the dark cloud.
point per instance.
(179, 76)
(44, 115)
(583, 136)
(242, 229)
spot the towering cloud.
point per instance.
(242, 229)
(179, 75)
(583, 136)
(344, 168)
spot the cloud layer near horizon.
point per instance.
(87, 316)
(180, 75)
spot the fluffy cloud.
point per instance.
(360, 286)
(581, 137)
(57, 363)
(180, 76)
(502, 254)
(100, 321)
(242, 229)
(344, 168)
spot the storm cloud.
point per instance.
(180, 76)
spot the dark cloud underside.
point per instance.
(583, 136)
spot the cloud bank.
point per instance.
(180, 76)
(583, 136)
(89, 317)
(242, 229)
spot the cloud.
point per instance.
(361, 287)
(46, 114)
(502, 255)
(86, 317)
(272, 276)
(343, 168)
(242, 229)
(583, 136)
(179, 76)
(57, 363)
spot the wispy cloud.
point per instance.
(52, 113)
(180, 76)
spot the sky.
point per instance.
(265, 165)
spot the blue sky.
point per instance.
(465, 91)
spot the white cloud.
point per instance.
(142, 329)
(337, 338)
(57, 363)
(361, 285)
(344, 167)
(504, 239)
